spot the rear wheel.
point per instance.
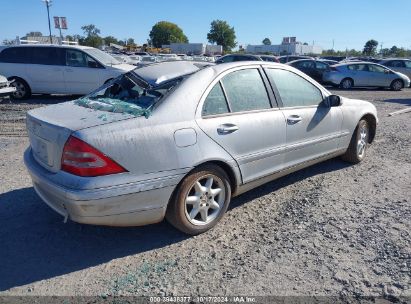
(346, 83)
(22, 89)
(359, 143)
(200, 201)
(397, 85)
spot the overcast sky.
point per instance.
(350, 23)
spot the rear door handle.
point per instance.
(227, 129)
(69, 70)
(293, 119)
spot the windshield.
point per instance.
(127, 94)
(104, 58)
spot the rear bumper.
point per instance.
(103, 206)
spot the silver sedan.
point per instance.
(179, 139)
(365, 74)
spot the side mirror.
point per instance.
(332, 101)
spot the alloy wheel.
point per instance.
(362, 141)
(20, 89)
(205, 200)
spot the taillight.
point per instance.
(79, 158)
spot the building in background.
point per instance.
(289, 46)
(194, 49)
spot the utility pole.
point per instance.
(333, 44)
(48, 4)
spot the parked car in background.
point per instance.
(313, 68)
(365, 74)
(134, 59)
(237, 57)
(328, 61)
(142, 54)
(178, 140)
(57, 69)
(269, 58)
(335, 58)
(288, 58)
(5, 89)
(399, 65)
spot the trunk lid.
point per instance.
(49, 128)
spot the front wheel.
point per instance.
(346, 84)
(397, 85)
(200, 201)
(359, 143)
(22, 89)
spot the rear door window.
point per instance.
(14, 55)
(46, 55)
(294, 90)
(358, 67)
(407, 64)
(246, 91)
(321, 65)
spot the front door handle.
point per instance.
(226, 129)
(293, 119)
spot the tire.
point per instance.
(359, 142)
(204, 209)
(23, 90)
(346, 83)
(397, 85)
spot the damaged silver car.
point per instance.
(180, 139)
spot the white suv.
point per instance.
(57, 69)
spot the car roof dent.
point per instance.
(156, 74)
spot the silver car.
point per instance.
(365, 74)
(399, 65)
(179, 139)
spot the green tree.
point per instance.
(92, 36)
(110, 39)
(34, 34)
(370, 47)
(267, 41)
(165, 32)
(222, 34)
(93, 41)
(130, 41)
(90, 30)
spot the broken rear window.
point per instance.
(127, 94)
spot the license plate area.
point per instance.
(40, 149)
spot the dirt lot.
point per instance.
(332, 229)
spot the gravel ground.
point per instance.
(330, 230)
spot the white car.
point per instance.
(57, 69)
(5, 89)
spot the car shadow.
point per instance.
(36, 245)
(334, 164)
(403, 101)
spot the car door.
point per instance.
(312, 129)
(359, 73)
(238, 115)
(379, 76)
(45, 70)
(82, 73)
